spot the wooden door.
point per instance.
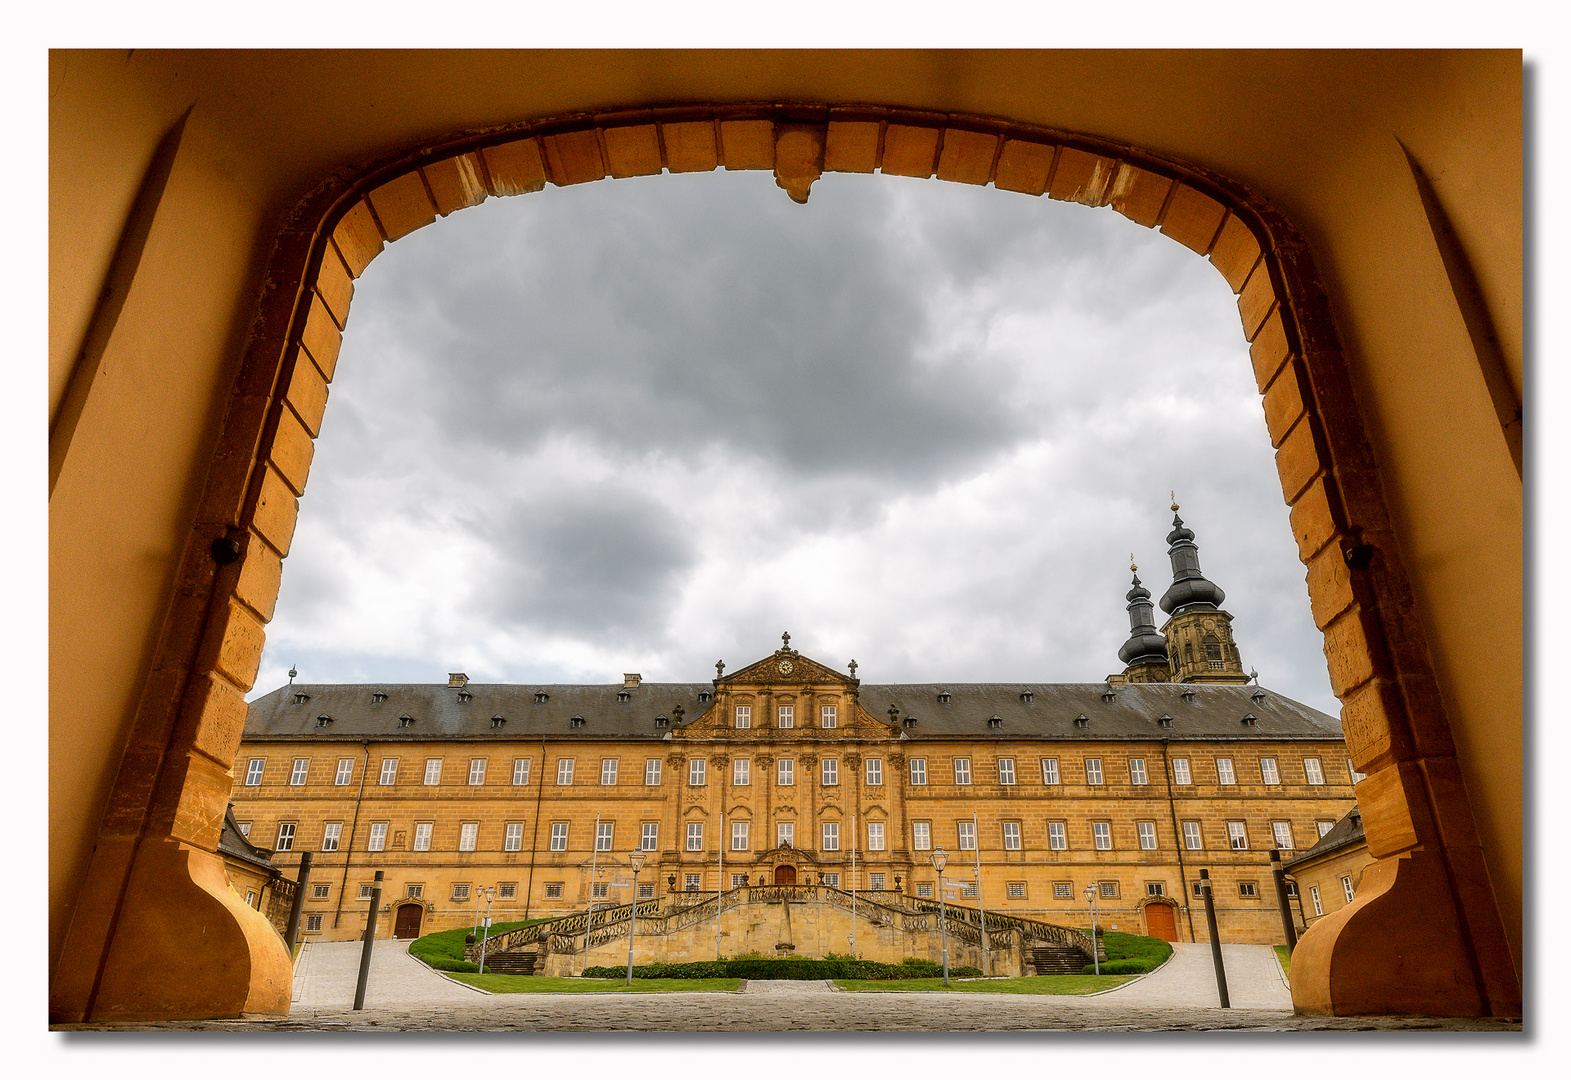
(407, 922)
(785, 875)
(1160, 922)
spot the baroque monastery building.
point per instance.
(792, 771)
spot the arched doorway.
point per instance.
(785, 875)
(1161, 920)
(406, 924)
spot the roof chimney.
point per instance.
(630, 681)
(457, 678)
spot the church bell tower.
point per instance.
(1199, 633)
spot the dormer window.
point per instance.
(995, 722)
(406, 721)
(1082, 721)
(705, 695)
(541, 697)
(1250, 721)
(1025, 696)
(1165, 721)
(623, 695)
(662, 721)
(1188, 696)
(301, 697)
(465, 695)
(576, 722)
(323, 721)
(1108, 697)
(1258, 696)
(378, 696)
(943, 697)
(909, 721)
(498, 721)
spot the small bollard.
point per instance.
(1281, 900)
(370, 936)
(1216, 942)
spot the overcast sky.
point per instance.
(644, 425)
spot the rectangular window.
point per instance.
(1154, 888)
(741, 770)
(1102, 835)
(831, 836)
(1314, 898)
(832, 880)
(1352, 773)
(1016, 890)
(646, 890)
(1312, 771)
(564, 772)
(739, 837)
(918, 771)
(321, 892)
(1237, 839)
(1057, 836)
(297, 774)
(346, 771)
(433, 771)
(921, 836)
(1323, 827)
(378, 839)
(608, 772)
(1147, 831)
(690, 882)
(875, 772)
(520, 771)
(313, 923)
(966, 831)
(962, 770)
(785, 772)
(831, 767)
(652, 772)
(1011, 836)
(466, 835)
(695, 836)
(599, 890)
(925, 890)
(1137, 770)
(1109, 889)
(603, 830)
(785, 833)
(423, 836)
(1283, 832)
(476, 771)
(968, 889)
(1181, 771)
(253, 771)
(245, 829)
(389, 772)
(507, 890)
(875, 836)
(738, 880)
(553, 890)
(696, 772)
(1292, 887)
(1006, 771)
(875, 882)
(461, 890)
(1247, 889)
(513, 837)
(1063, 890)
(330, 835)
(1050, 770)
(744, 716)
(1224, 771)
(1347, 889)
(1093, 770)
(649, 836)
(787, 716)
(1268, 773)
(1192, 835)
(828, 716)
(286, 836)
(558, 836)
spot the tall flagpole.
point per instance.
(976, 832)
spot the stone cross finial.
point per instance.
(719, 668)
(894, 714)
(785, 641)
(852, 666)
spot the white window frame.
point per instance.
(831, 836)
(460, 890)
(298, 771)
(321, 892)
(1181, 777)
(1353, 774)
(921, 836)
(389, 774)
(830, 771)
(875, 836)
(1147, 833)
(697, 771)
(1015, 890)
(962, 771)
(1347, 887)
(1194, 840)
(1057, 836)
(918, 771)
(433, 772)
(1011, 835)
(1102, 835)
(1313, 773)
(559, 835)
(1269, 774)
(965, 835)
(468, 833)
(377, 840)
(1137, 771)
(345, 773)
(1324, 826)
(1237, 836)
(286, 836)
(875, 771)
(422, 836)
(652, 772)
(1224, 772)
(608, 769)
(520, 772)
(245, 829)
(507, 890)
(1050, 771)
(553, 890)
(828, 716)
(313, 923)
(785, 833)
(1314, 898)
(564, 772)
(785, 716)
(1063, 890)
(476, 771)
(741, 772)
(743, 717)
(739, 832)
(695, 836)
(832, 880)
(924, 890)
(875, 882)
(785, 772)
(692, 882)
(513, 836)
(604, 832)
(1282, 833)
(1006, 771)
(1093, 771)
(646, 890)
(253, 771)
(331, 832)
(649, 836)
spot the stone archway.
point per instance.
(1160, 917)
(1416, 812)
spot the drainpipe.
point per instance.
(534, 841)
(1178, 840)
(349, 849)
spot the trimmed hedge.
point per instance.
(1130, 954)
(793, 967)
(444, 950)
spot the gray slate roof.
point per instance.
(1345, 833)
(232, 842)
(1216, 711)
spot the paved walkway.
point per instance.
(1254, 980)
(326, 973)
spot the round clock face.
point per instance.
(785, 667)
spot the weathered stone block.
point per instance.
(260, 575)
(1312, 521)
(335, 286)
(573, 157)
(1256, 301)
(1283, 404)
(967, 156)
(321, 338)
(516, 168)
(1192, 218)
(909, 151)
(748, 144)
(402, 206)
(357, 238)
(1236, 251)
(292, 450)
(633, 151)
(1139, 195)
(690, 146)
(1268, 349)
(307, 395)
(851, 146)
(456, 183)
(1081, 177)
(1023, 167)
(274, 515)
(1297, 461)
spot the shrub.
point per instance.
(1131, 954)
(783, 967)
(1118, 967)
(449, 945)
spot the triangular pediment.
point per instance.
(786, 668)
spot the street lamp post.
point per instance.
(941, 860)
(485, 927)
(1096, 959)
(637, 859)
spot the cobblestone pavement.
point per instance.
(1254, 980)
(795, 987)
(326, 973)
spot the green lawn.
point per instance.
(1282, 956)
(1030, 984)
(548, 984)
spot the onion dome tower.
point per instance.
(1145, 653)
(1199, 634)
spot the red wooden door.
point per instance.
(1160, 922)
(785, 875)
(407, 923)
